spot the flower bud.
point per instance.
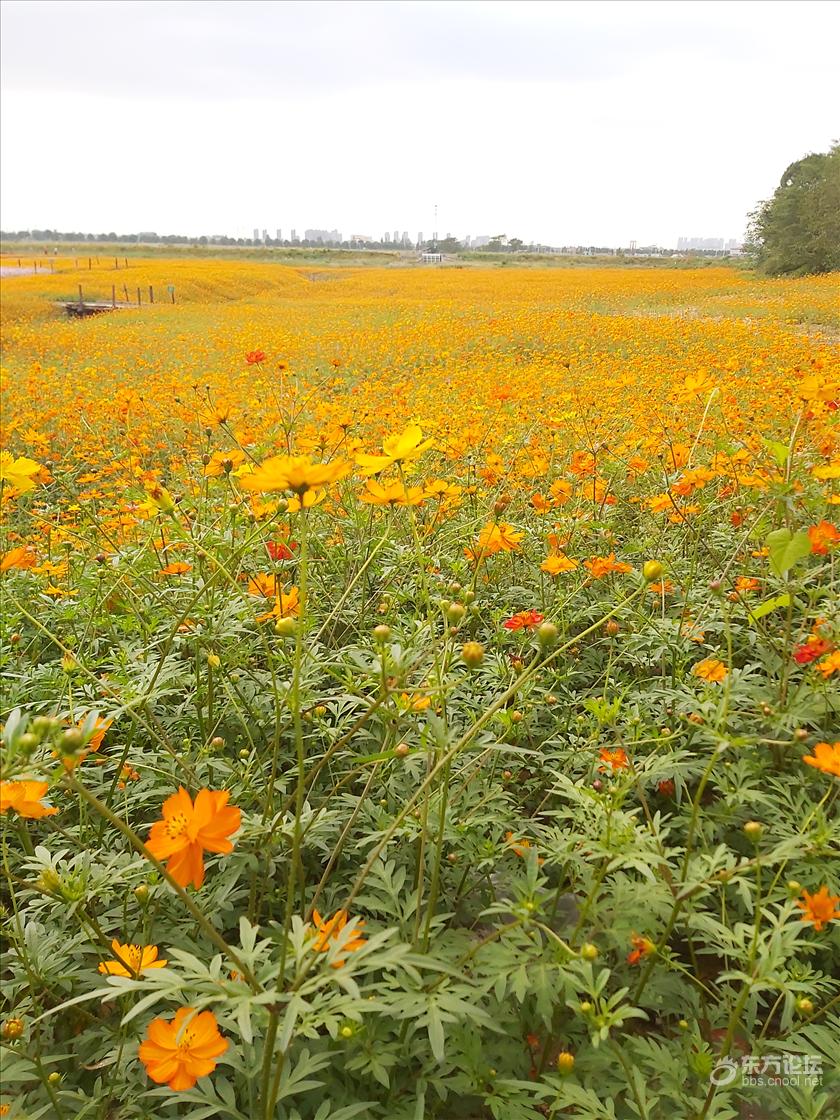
(217, 742)
(11, 1029)
(805, 1006)
(565, 1063)
(754, 830)
(588, 951)
(49, 881)
(381, 633)
(611, 628)
(141, 893)
(213, 660)
(652, 570)
(472, 654)
(584, 1007)
(286, 627)
(455, 613)
(71, 741)
(401, 750)
(547, 634)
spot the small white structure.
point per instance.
(432, 258)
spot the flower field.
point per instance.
(420, 693)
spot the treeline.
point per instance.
(797, 231)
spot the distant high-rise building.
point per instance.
(396, 236)
(386, 237)
(264, 236)
(321, 235)
(466, 240)
(700, 243)
(480, 241)
(256, 235)
(405, 240)
(279, 235)
(420, 238)
(294, 235)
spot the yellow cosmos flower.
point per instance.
(293, 472)
(397, 449)
(394, 494)
(554, 565)
(17, 473)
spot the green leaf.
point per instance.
(786, 549)
(779, 451)
(769, 605)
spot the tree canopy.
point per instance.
(797, 231)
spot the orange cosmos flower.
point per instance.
(496, 536)
(829, 665)
(21, 557)
(329, 931)
(131, 960)
(176, 568)
(710, 670)
(746, 583)
(255, 357)
(819, 908)
(642, 947)
(616, 759)
(187, 831)
(826, 757)
(100, 729)
(600, 566)
(178, 1052)
(823, 537)
(525, 620)
(25, 799)
(520, 847)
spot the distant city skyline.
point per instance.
(334, 237)
(586, 123)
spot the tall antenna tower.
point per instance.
(435, 233)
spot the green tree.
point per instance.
(797, 231)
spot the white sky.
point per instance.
(569, 123)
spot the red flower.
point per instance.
(809, 651)
(666, 787)
(525, 620)
(254, 357)
(279, 551)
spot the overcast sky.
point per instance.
(569, 123)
